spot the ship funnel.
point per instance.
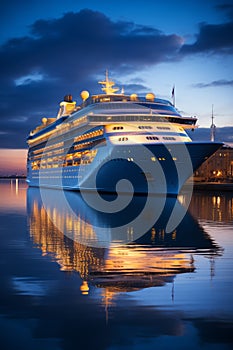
(68, 98)
(67, 106)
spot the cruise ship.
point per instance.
(113, 142)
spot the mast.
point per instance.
(173, 96)
(108, 85)
(212, 127)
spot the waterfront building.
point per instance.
(218, 168)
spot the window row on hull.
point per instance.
(71, 159)
(45, 150)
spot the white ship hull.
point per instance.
(153, 168)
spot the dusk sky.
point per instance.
(51, 48)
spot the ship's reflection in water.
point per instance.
(75, 283)
(126, 263)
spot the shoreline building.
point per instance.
(219, 167)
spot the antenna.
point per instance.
(173, 96)
(212, 127)
(108, 85)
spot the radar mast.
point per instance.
(108, 85)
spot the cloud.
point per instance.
(65, 55)
(227, 8)
(71, 53)
(212, 38)
(79, 44)
(215, 83)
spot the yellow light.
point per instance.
(84, 288)
(84, 95)
(150, 96)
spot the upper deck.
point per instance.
(111, 107)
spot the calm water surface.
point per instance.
(70, 281)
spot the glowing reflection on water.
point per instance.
(172, 289)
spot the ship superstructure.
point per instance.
(113, 136)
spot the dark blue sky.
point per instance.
(49, 49)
